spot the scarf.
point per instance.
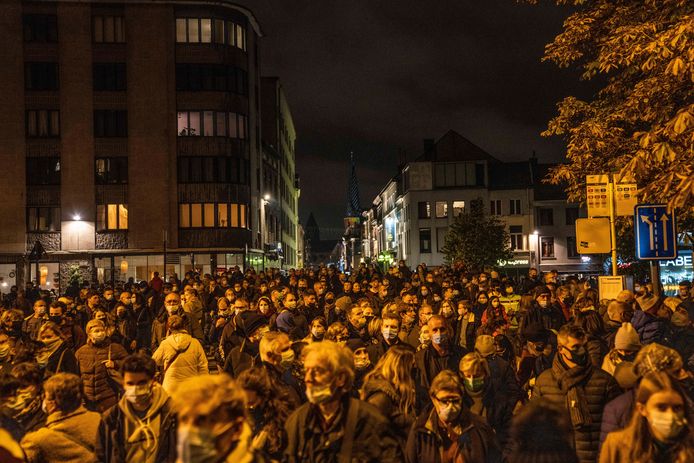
(571, 382)
(45, 353)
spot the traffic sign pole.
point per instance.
(613, 233)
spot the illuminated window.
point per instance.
(206, 30)
(111, 217)
(234, 215)
(43, 219)
(196, 215)
(184, 216)
(458, 208)
(222, 216)
(441, 209)
(208, 215)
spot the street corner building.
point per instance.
(139, 136)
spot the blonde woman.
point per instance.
(390, 387)
(661, 428)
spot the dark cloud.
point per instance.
(377, 77)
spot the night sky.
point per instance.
(377, 77)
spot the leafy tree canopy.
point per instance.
(642, 121)
(477, 240)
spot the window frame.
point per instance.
(422, 248)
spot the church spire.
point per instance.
(353, 204)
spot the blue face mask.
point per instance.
(439, 338)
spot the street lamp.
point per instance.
(537, 259)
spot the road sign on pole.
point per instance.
(656, 232)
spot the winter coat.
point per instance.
(373, 439)
(382, 395)
(62, 361)
(143, 327)
(190, 361)
(598, 389)
(113, 444)
(597, 349)
(98, 386)
(617, 414)
(195, 309)
(477, 443)
(682, 340)
(67, 438)
(649, 327)
(549, 318)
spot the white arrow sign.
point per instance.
(664, 220)
(647, 220)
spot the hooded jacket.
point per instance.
(124, 437)
(181, 356)
(67, 438)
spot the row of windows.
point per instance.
(211, 77)
(441, 208)
(209, 30)
(111, 29)
(42, 123)
(545, 216)
(212, 124)
(212, 215)
(218, 169)
(453, 174)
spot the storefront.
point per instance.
(676, 270)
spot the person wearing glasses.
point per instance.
(448, 431)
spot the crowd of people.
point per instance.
(314, 365)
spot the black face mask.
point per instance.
(578, 356)
(627, 357)
(56, 319)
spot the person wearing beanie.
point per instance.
(617, 313)
(541, 312)
(362, 362)
(651, 358)
(247, 354)
(650, 326)
(98, 360)
(626, 346)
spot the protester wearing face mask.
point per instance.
(317, 329)
(423, 315)
(277, 358)
(142, 427)
(387, 338)
(172, 305)
(268, 411)
(574, 384)
(32, 324)
(441, 355)
(541, 312)
(292, 321)
(26, 408)
(488, 395)
(179, 356)
(661, 429)
(362, 363)
(98, 360)
(71, 430)
(332, 423)
(390, 387)
(626, 346)
(54, 355)
(449, 431)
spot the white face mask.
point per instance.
(172, 309)
(668, 424)
(318, 333)
(138, 394)
(319, 394)
(448, 413)
(389, 333)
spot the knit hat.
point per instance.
(91, 324)
(538, 290)
(627, 338)
(647, 302)
(251, 322)
(484, 345)
(625, 295)
(354, 344)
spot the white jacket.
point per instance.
(191, 361)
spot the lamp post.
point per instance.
(536, 234)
